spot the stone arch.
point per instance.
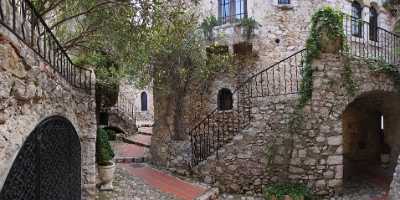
(48, 166)
(370, 149)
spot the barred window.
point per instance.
(231, 10)
(356, 22)
(283, 1)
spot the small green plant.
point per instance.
(279, 191)
(112, 135)
(208, 25)
(350, 85)
(104, 152)
(249, 25)
(380, 65)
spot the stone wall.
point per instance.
(133, 93)
(269, 151)
(30, 91)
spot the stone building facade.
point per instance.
(142, 100)
(319, 151)
(32, 91)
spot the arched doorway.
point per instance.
(143, 101)
(48, 166)
(371, 133)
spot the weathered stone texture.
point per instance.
(31, 91)
(132, 93)
(268, 151)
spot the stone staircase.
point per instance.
(220, 127)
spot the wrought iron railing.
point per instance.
(283, 78)
(219, 127)
(365, 40)
(21, 18)
(126, 107)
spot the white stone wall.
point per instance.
(290, 24)
(31, 91)
(132, 93)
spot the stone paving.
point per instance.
(127, 187)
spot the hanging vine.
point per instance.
(326, 22)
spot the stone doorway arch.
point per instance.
(48, 166)
(371, 138)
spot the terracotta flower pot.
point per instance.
(106, 175)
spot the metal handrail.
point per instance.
(22, 19)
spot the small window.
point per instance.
(225, 100)
(231, 10)
(356, 22)
(284, 2)
(373, 25)
(143, 100)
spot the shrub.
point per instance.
(112, 135)
(279, 191)
(208, 25)
(104, 152)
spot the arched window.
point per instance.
(356, 22)
(373, 25)
(225, 100)
(143, 101)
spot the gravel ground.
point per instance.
(127, 187)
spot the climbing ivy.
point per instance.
(326, 22)
(380, 65)
(349, 83)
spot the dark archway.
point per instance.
(225, 99)
(48, 166)
(370, 139)
(143, 101)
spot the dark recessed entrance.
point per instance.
(48, 166)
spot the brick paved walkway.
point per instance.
(164, 182)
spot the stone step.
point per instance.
(130, 160)
(139, 139)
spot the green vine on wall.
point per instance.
(381, 66)
(350, 85)
(326, 22)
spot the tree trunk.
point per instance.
(179, 107)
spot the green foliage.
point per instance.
(325, 22)
(296, 191)
(112, 135)
(208, 25)
(349, 83)
(249, 24)
(381, 66)
(104, 152)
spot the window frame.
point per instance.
(225, 97)
(284, 2)
(356, 19)
(373, 24)
(230, 7)
(144, 102)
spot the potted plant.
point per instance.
(104, 156)
(287, 191)
(249, 25)
(207, 26)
